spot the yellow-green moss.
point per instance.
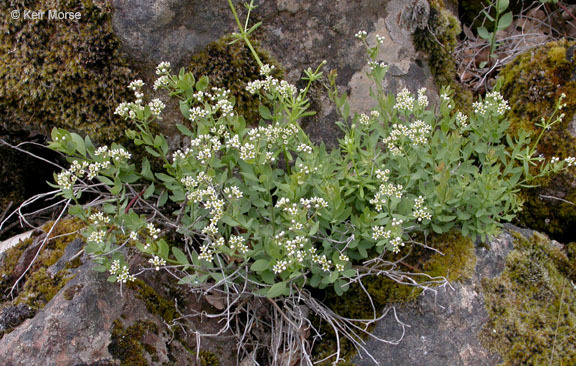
(155, 303)
(127, 343)
(438, 40)
(457, 263)
(39, 287)
(532, 306)
(532, 83)
(232, 66)
(68, 74)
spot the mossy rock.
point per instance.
(38, 286)
(532, 84)
(232, 66)
(68, 74)
(439, 40)
(532, 305)
(56, 73)
(456, 263)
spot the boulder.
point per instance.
(443, 326)
(299, 35)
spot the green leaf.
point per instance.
(260, 265)
(202, 84)
(163, 198)
(501, 5)
(146, 170)
(277, 290)
(185, 110)
(163, 249)
(505, 21)
(264, 112)
(483, 33)
(152, 152)
(79, 142)
(180, 256)
(184, 130)
(314, 228)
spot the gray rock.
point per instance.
(299, 34)
(444, 326)
(76, 326)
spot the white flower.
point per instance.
(361, 34)
(163, 68)
(136, 85)
(404, 101)
(157, 262)
(380, 39)
(156, 107)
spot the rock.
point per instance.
(90, 322)
(444, 326)
(533, 84)
(300, 35)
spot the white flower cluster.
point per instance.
(380, 39)
(386, 191)
(163, 68)
(271, 85)
(157, 262)
(365, 120)
(422, 98)
(375, 65)
(361, 34)
(380, 232)
(417, 133)
(216, 101)
(98, 218)
(421, 212)
(237, 243)
(202, 148)
(233, 192)
(122, 273)
(404, 101)
(494, 101)
(118, 154)
(462, 120)
(570, 161)
(156, 107)
(97, 236)
(396, 244)
(153, 231)
(67, 178)
(304, 148)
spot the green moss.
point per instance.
(68, 74)
(438, 40)
(532, 306)
(127, 343)
(533, 83)
(457, 264)
(232, 66)
(208, 359)
(155, 303)
(39, 287)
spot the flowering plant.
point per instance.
(260, 209)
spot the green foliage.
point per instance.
(229, 198)
(532, 306)
(67, 74)
(533, 83)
